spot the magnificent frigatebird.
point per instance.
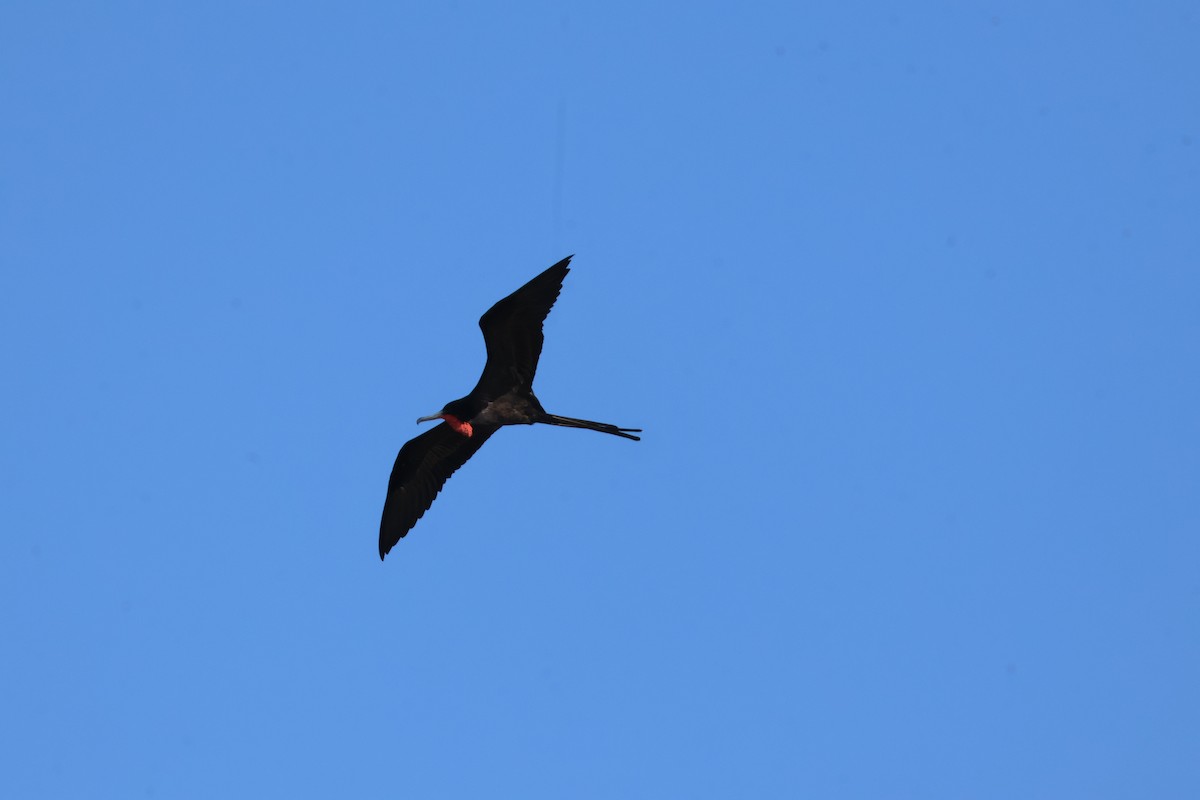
(512, 331)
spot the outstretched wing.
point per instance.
(422, 467)
(512, 331)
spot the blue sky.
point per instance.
(905, 298)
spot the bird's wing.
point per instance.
(423, 465)
(512, 331)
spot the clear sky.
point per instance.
(906, 298)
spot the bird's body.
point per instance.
(512, 331)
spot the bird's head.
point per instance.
(458, 415)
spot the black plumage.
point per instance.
(512, 332)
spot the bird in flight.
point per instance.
(512, 331)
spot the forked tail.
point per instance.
(603, 427)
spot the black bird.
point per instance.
(512, 331)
